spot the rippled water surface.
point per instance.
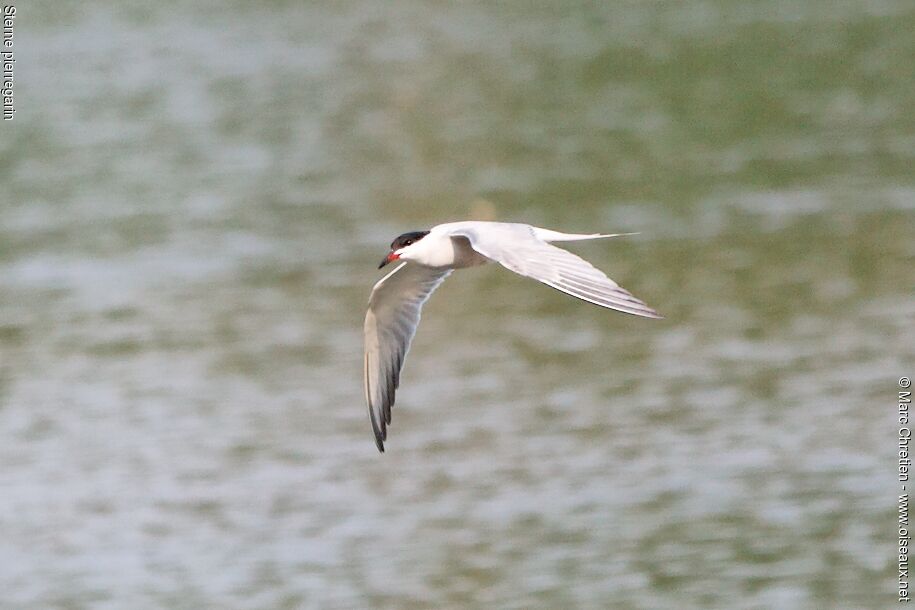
(193, 200)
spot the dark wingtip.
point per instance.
(379, 440)
(656, 315)
(378, 430)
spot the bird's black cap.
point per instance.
(407, 238)
(402, 241)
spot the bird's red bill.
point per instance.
(392, 256)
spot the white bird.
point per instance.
(430, 256)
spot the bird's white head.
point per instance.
(401, 247)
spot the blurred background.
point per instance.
(195, 197)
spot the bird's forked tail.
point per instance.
(548, 235)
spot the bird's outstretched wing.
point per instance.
(524, 250)
(390, 323)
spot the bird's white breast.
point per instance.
(443, 251)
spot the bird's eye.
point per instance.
(408, 242)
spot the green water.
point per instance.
(193, 201)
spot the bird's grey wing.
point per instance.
(390, 323)
(517, 247)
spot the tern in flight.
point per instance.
(428, 257)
